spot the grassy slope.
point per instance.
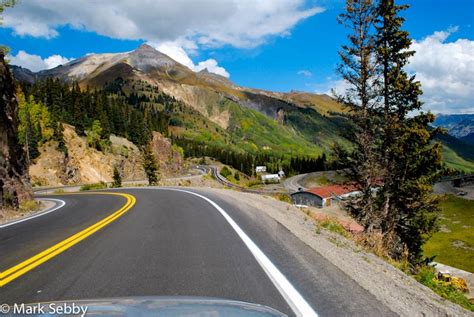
(453, 160)
(457, 215)
(248, 130)
(311, 128)
(322, 103)
(256, 132)
(456, 153)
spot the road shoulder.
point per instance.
(47, 205)
(399, 292)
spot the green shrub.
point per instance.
(225, 172)
(117, 178)
(95, 186)
(334, 226)
(8, 199)
(283, 197)
(175, 122)
(29, 205)
(254, 183)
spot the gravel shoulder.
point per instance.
(393, 288)
(9, 215)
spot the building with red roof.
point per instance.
(322, 196)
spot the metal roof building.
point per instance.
(322, 196)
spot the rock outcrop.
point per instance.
(83, 164)
(86, 165)
(170, 159)
(14, 183)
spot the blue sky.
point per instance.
(297, 52)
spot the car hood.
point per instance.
(160, 306)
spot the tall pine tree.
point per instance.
(394, 161)
(359, 70)
(410, 159)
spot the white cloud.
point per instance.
(180, 26)
(331, 86)
(446, 72)
(211, 66)
(56, 60)
(176, 52)
(305, 73)
(35, 62)
(210, 23)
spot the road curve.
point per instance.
(171, 243)
(293, 184)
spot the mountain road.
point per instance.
(170, 242)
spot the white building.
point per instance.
(271, 178)
(281, 174)
(260, 169)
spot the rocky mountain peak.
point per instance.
(145, 47)
(146, 57)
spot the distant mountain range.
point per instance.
(217, 111)
(247, 119)
(460, 126)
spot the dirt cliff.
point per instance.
(85, 165)
(14, 184)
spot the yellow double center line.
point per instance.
(29, 264)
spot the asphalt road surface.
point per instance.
(170, 243)
(292, 184)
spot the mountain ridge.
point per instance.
(248, 119)
(149, 64)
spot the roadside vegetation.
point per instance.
(333, 225)
(393, 161)
(29, 205)
(117, 178)
(95, 186)
(283, 197)
(453, 289)
(150, 166)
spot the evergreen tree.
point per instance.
(31, 139)
(359, 70)
(150, 166)
(410, 159)
(94, 135)
(58, 136)
(393, 150)
(117, 179)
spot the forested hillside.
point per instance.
(135, 93)
(134, 109)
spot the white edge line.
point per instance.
(294, 299)
(59, 204)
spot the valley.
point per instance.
(135, 93)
